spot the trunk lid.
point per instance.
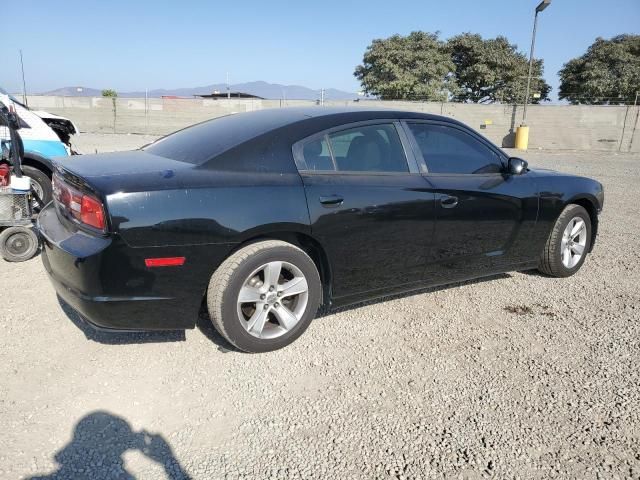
(130, 171)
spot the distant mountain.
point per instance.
(259, 88)
(75, 92)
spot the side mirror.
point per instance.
(517, 166)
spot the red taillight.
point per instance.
(82, 207)
(91, 212)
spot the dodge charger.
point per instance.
(268, 217)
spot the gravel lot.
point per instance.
(517, 376)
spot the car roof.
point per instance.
(262, 121)
(279, 127)
(277, 117)
(228, 131)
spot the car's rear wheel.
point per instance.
(568, 243)
(264, 296)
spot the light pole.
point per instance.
(24, 85)
(541, 6)
(522, 132)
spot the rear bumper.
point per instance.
(108, 284)
(105, 313)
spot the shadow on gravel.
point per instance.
(118, 338)
(99, 442)
(535, 273)
(206, 328)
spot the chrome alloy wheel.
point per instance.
(39, 191)
(574, 241)
(272, 300)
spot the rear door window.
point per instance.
(370, 148)
(367, 148)
(317, 155)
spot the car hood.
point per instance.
(546, 172)
(50, 116)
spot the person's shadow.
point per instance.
(96, 451)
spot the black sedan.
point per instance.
(269, 216)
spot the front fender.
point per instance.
(556, 192)
(570, 189)
(38, 161)
(44, 148)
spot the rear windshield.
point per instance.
(202, 142)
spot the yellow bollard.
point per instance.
(522, 137)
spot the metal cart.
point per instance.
(18, 238)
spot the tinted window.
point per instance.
(449, 150)
(371, 148)
(203, 141)
(317, 155)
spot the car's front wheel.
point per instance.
(264, 296)
(568, 243)
(41, 185)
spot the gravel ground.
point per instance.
(517, 376)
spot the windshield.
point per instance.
(12, 98)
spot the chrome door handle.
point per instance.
(448, 201)
(331, 200)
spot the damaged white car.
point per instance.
(44, 136)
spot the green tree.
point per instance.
(112, 94)
(492, 70)
(407, 67)
(608, 73)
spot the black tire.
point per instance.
(44, 182)
(229, 278)
(551, 258)
(18, 244)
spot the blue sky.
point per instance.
(133, 45)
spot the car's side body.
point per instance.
(370, 234)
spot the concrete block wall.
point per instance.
(607, 128)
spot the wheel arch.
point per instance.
(36, 161)
(590, 205)
(310, 246)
